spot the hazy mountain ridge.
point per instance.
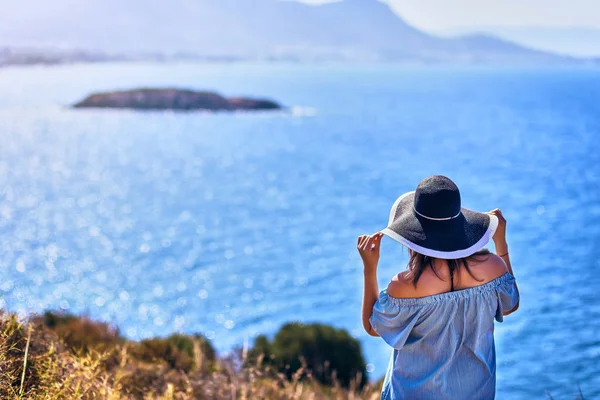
(257, 29)
(574, 41)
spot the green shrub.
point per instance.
(331, 355)
(180, 352)
(79, 333)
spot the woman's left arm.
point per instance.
(502, 250)
(368, 247)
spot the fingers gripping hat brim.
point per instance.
(452, 238)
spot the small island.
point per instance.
(174, 99)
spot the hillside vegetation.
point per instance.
(56, 356)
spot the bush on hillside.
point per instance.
(181, 352)
(79, 333)
(330, 355)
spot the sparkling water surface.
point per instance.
(233, 224)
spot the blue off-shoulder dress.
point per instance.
(443, 344)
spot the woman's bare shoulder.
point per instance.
(402, 286)
(490, 268)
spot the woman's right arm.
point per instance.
(502, 249)
(368, 247)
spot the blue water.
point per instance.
(232, 225)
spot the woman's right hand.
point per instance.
(368, 247)
(500, 234)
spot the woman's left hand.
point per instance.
(368, 248)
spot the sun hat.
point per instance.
(431, 221)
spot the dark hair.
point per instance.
(419, 262)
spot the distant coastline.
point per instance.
(19, 56)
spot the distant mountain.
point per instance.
(573, 41)
(263, 29)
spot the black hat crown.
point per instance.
(432, 222)
(437, 197)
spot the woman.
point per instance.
(438, 315)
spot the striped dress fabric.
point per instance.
(443, 345)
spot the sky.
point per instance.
(442, 15)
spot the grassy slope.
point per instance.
(69, 358)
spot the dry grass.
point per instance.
(75, 358)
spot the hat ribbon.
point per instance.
(435, 219)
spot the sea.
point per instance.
(233, 224)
